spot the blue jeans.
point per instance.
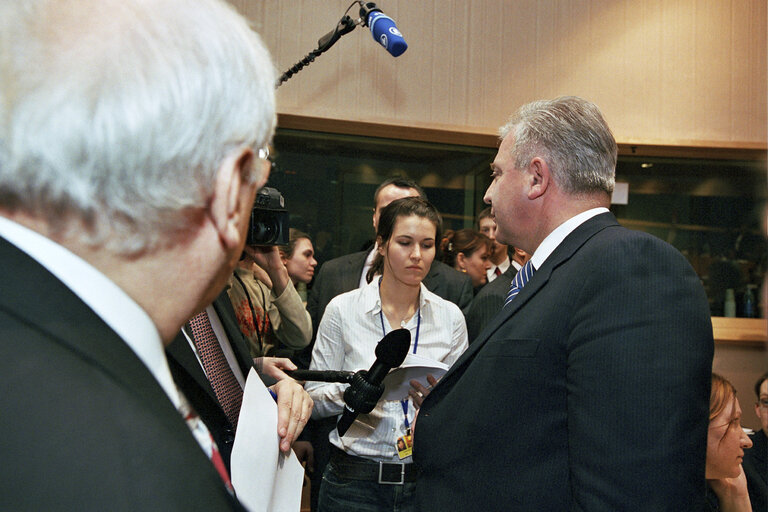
(345, 495)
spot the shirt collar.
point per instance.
(555, 238)
(371, 300)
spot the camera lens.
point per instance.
(264, 232)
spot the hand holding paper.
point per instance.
(397, 384)
(418, 392)
(294, 407)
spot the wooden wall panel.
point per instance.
(687, 72)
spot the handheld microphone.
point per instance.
(366, 389)
(383, 29)
(320, 375)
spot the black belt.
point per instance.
(359, 468)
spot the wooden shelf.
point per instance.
(469, 136)
(751, 332)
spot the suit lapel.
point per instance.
(351, 277)
(180, 351)
(562, 253)
(432, 279)
(223, 307)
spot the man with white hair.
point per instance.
(130, 138)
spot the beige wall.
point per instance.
(688, 72)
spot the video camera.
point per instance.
(269, 219)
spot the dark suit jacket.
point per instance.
(756, 470)
(191, 379)
(342, 274)
(590, 391)
(488, 302)
(85, 424)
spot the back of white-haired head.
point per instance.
(572, 134)
(116, 114)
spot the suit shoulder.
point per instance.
(496, 288)
(341, 264)
(346, 259)
(636, 242)
(440, 270)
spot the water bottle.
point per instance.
(749, 302)
(730, 303)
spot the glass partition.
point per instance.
(710, 210)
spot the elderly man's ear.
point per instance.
(233, 197)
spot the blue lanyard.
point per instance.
(418, 322)
(404, 403)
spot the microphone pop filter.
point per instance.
(393, 347)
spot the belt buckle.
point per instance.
(381, 476)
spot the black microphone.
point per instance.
(383, 29)
(320, 375)
(366, 389)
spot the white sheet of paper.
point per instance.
(415, 367)
(263, 478)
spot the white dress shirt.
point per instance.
(503, 266)
(346, 340)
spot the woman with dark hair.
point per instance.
(726, 442)
(367, 471)
(468, 251)
(299, 257)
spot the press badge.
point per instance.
(404, 445)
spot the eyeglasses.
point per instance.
(266, 162)
(763, 402)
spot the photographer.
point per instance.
(270, 312)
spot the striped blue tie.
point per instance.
(519, 281)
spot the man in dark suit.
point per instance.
(590, 389)
(490, 298)
(487, 303)
(124, 201)
(190, 377)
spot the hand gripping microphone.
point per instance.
(366, 389)
(383, 29)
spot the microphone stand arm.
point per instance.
(345, 26)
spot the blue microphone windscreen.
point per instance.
(386, 34)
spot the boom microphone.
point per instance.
(366, 389)
(383, 29)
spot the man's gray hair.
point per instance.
(572, 136)
(116, 114)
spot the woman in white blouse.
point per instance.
(370, 466)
